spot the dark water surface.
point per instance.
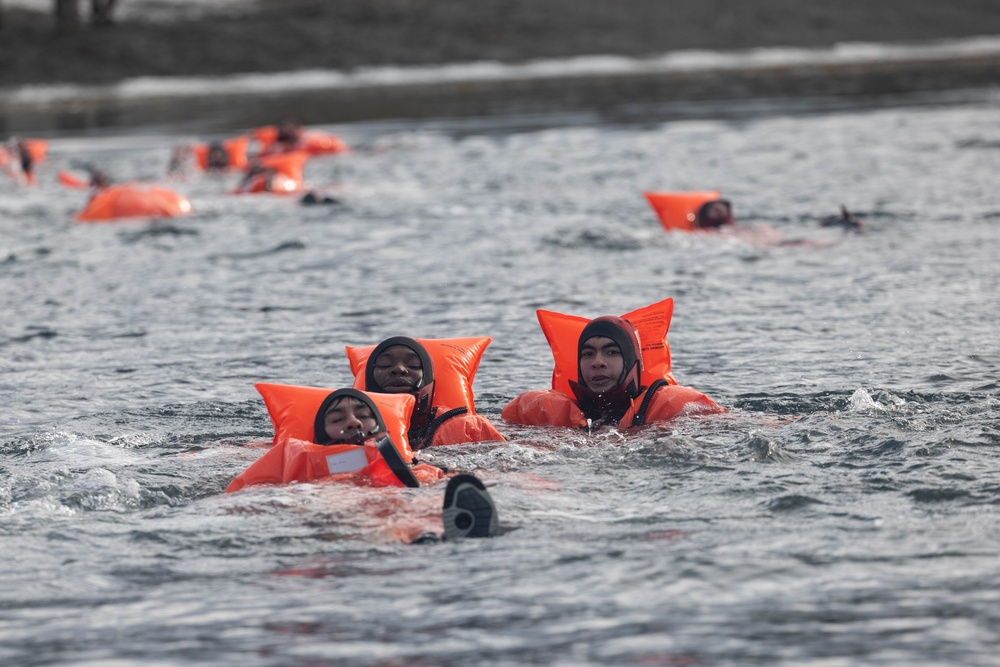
(843, 511)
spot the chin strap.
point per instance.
(423, 398)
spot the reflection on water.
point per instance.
(842, 510)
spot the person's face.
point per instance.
(398, 370)
(717, 213)
(348, 418)
(601, 364)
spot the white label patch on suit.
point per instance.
(350, 461)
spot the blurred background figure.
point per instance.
(845, 220)
(715, 214)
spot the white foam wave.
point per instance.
(862, 401)
(583, 66)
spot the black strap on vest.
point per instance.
(428, 434)
(396, 463)
(640, 417)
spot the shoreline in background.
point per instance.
(679, 84)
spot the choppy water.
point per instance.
(844, 511)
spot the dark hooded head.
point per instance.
(217, 157)
(625, 335)
(611, 404)
(714, 214)
(388, 372)
(289, 132)
(24, 153)
(320, 435)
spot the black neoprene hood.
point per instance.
(611, 327)
(319, 425)
(425, 362)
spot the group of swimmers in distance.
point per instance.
(608, 391)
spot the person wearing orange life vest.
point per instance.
(17, 161)
(609, 390)
(349, 417)
(346, 417)
(402, 365)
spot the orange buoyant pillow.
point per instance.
(134, 200)
(320, 143)
(293, 412)
(37, 149)
(266, 135)
(679, 210)
(455, 360)
(291, 164)
(236, 151)
(652, 322)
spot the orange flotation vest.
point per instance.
(659, 402)
(291, 164)
(661, 398)
(461, 428)
(271, 181)
(134, 201)
(283, 175)
(652, 323)
(266, 136)
(37, 149)
(455, 360)
(235, 148)
(71, 180)
(294, 460)
(293, 412)
(679, 210)
(313, 142)
(293, 456)
(453, 406)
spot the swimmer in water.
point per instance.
(846, 220)
(401, 365)
(609, 390)
(99, 180)
(17, 161)
(349, 416)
